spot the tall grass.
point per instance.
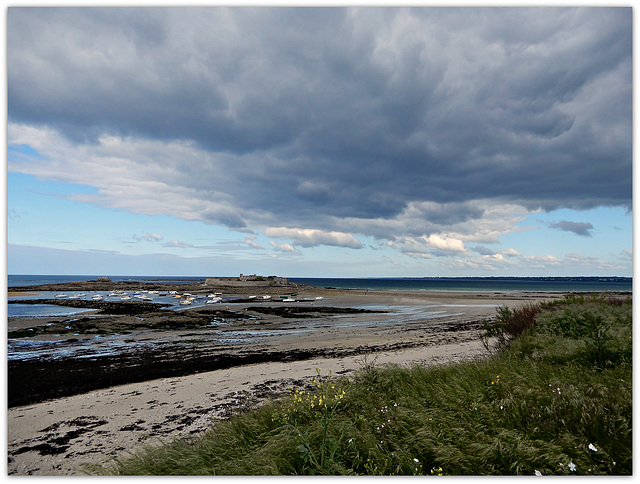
(555, 400)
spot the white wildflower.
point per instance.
(416, 460)
(572, 467)
(593, 448)
(538, 473)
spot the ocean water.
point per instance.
(562, 284)
(553, 284)
(34, 280)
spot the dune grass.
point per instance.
(554, 399)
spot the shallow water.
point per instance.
(50, 310)
(41, 311)
(26, 349)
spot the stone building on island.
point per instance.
(243, 280)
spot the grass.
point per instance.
(554, 399)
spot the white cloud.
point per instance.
(542, 261)
(444, 244)
(314, 237)
(250, 240)
(148, 237)
(492, 263)
(179, 244)
(511, 253)
(435, 244)
(547, 264)
(417, 254)
(282, 247)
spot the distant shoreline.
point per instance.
(457, 284)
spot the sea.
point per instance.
(553, 284)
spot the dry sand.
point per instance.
(62, 436)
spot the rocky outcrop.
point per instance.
(107, 307)
(248, 281)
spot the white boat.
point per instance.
(319, 298)
(289, 299)
(214, 300)
(185, 302)
(252, 297)
(125, 298)
(266, 298)
(61, 295)
(97, 297)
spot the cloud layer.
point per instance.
(427, 127)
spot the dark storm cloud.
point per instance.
(579, 228)
(345, 112)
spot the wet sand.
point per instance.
(181, 380)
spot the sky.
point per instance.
(319, 142)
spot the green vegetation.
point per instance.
(555, 398)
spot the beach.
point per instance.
(156, 383)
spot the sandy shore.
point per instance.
(60, 436)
